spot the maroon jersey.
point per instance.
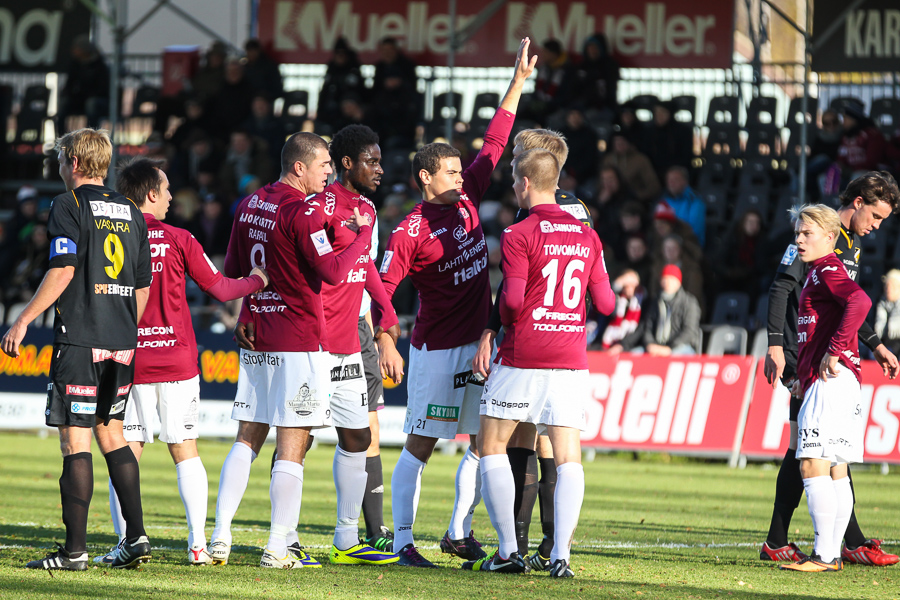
(442, 248)
(832, 308)
(342, 301)
(277, 229)
(167, 348)
(559, 259)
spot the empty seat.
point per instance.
(727, 339)
(685, 109)
(485, 106)
(762, 111)
(763, 140)
(731, 308)
(761, 314)
(760, 343)
(795, 112)
(751, 201)
(295, 109)
(717, 172)
(643, 106)
(755, 177)
(722, 110)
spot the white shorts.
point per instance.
(541, 396)
(349, 392)
(284, 389)
(830, 424)
(443, 395)
(175, 404)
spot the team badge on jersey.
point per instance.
(856, 254)
(789, 255)
(460, 233)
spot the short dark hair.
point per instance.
(351, 141)
(429, 158)
(301, 146)
(138, 177)
(873, 187)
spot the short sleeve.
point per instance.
(515, 254)
(64, 231)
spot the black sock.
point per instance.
(126, 479)
(76, 486)
(853, 536)
(546, 491)
(373, 501)
(524, 469)
(788, 491)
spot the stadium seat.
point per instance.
(483, 110)
(761, 314)
(727, 339)
(752, 201)
(294, 110)
(874, 245)
(795, 112)
(760, 343)
(722, 110)
(786, 201)
(440, 111)
(731, 308)
(886, 114)
(755, 177)
(716, 201)
(762, 111)
(643, 106)
(717, 172)
(763, 140)
(792, 151)
(144, 102)
(685, 109)
(723, 139)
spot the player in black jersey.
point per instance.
(526, 449)
(867, 201)
(99, 277)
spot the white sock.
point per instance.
(115, 509)
(232, 485)
(822, 501)
(844, 495)
(350, 477)
(285, 492)
(406, 482)
(499, 490)
(467, 496)
(293, 538)
(194, 490)
(566, 507)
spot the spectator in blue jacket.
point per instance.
(684, 201)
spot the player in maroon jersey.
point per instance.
(830, 423)
(441, 246)
(550, 261)
(166, 378)
(285, 381)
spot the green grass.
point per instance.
(649, 529)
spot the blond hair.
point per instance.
(551, 141)
(93, 149)
(820, 215)
(540, 167)
(892, 276)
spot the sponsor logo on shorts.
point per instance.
(123, 390)
(505, 404)
(133, 428)
(81, 390)
(192, 414)
(346, 373)
(811, 445)
(117, 407)
(304, 403)
(50, 387)
(262, 358)
(805, 434)
(120, 356)
(239, 404)
(436, 412)
(461, 379)
(84, 408)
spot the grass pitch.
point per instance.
(648, 529)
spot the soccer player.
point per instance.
(99, 277)
(440, 244)
(550, 261)
(867, 201)
(167, 379)
(830, 424)
(526, 448)
(285, 382)
(357, 157)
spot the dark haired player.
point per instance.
(550, 262)
(441, 246)
(285, 382)
(99, 277)
(167, 379)
(865, 204)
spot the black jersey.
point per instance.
(569, 203)
(104, 236)
(784, 297)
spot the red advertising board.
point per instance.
(689, 405)
(642, 33)
(767, 432)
